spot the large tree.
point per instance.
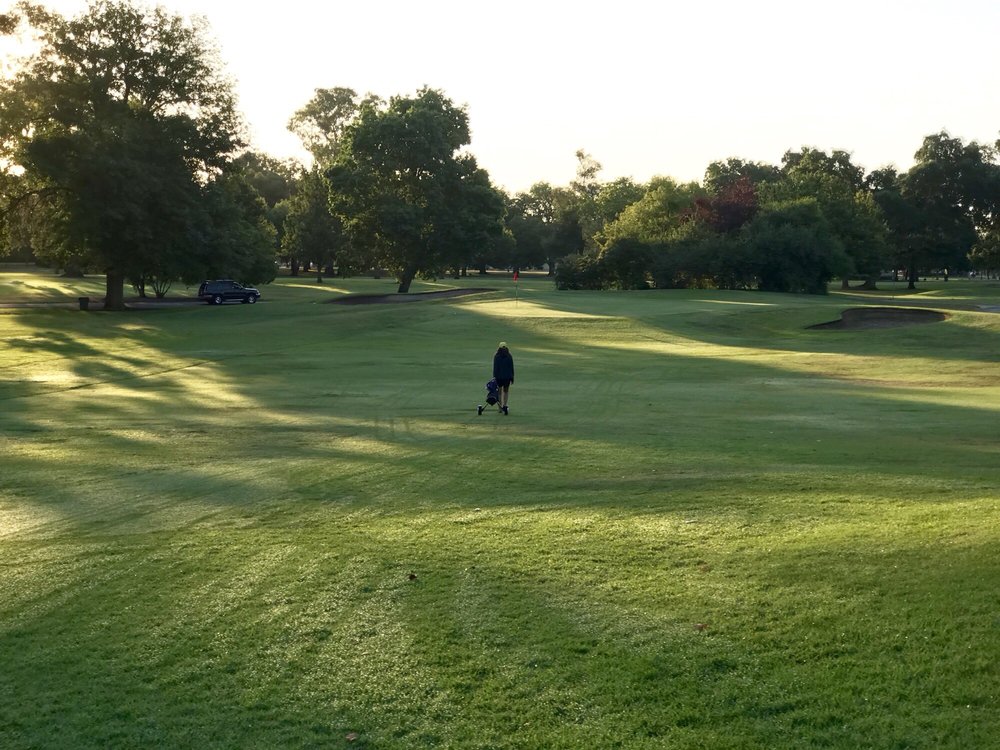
(545, 222)
(791, 247)
(322, 122)
(118, 123)
(406, 191)
(842, 194)
(953, 190)
(721, 174)
(655, 217)
(312, 234)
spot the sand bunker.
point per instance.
(381, 299)
(882, 317)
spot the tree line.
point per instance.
(121, 151)
(796, 226)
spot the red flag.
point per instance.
(515, 275)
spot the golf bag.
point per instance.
(492, 394)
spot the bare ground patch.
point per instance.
(860, 318)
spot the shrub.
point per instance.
(791, 248)
(579, 272)
(626, 264)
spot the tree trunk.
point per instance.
(871, 283)
(114, 291)
(911, 275)
(405, 279)
(845, 283)
(295, 267)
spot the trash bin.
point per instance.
(84, 303)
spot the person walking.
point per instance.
(503, 372)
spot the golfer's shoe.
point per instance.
(505, 411)
(480, 408)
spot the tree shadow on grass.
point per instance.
(249, 429)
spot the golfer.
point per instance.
(503, 371)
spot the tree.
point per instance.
(311, 232)
(548, 220)
(530, 240)
(626, 264)
(585, 189)
(901, 218)
(404, 190)
(474, 227)
(841, 192)
(232, 235)
(652, 219)
(274, 179)
(322, 123)
(815, 161)
(953, 189)
(720, 174)
(730, 208)
(118, 122)
(792, 248)
(615, 196)
(985, 253)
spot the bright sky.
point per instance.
(647, 87)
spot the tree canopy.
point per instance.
(120, 123)
(403, 187)
(322, 122)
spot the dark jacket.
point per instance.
(503, 365)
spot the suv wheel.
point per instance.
(251, 298)
(217, 299)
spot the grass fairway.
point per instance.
(703, 525)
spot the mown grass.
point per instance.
(702, 525)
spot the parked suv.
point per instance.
(226, 290)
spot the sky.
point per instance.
(646, 87)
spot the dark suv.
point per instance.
(226, 290)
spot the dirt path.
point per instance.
(383, 299)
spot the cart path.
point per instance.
(381, 299)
